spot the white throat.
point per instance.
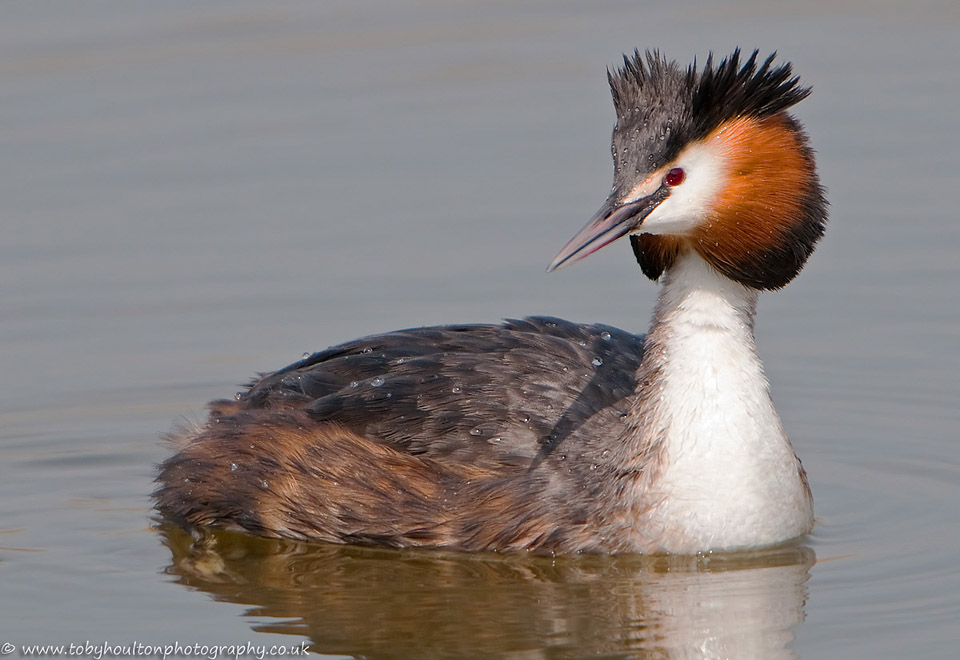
(728, 477)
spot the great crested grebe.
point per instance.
(546, 435)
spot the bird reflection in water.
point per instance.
(382, 603)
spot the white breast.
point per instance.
(729, 477)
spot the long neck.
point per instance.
(726, 475)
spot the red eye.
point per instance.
(674, 177)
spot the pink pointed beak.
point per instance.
(612, 221)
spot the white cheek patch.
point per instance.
(689, 203)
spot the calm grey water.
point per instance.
(191, 192)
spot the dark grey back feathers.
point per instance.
(506, 394)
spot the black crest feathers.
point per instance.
(705, 98)
(661, 107)
(730, 90)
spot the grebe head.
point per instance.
(709, 160)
